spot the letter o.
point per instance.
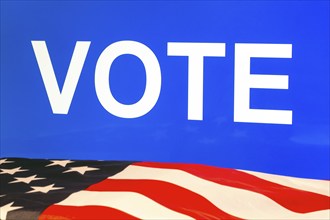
(153, 79)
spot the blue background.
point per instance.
(30, 129)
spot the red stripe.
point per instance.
(293, 199)
(169, 195)
(59, 212)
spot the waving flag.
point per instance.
(67, 189)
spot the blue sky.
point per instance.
(30, 129)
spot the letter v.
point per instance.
(60, 101)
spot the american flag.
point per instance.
(76, 189)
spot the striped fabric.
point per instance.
(143, 190)
(180, 191)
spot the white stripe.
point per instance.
(237, 202)
(310, 185)
(132, 203)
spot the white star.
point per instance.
(62, 163)
(2, 161)
(7, 208)
(26, 180)
(12, 171)
(80, 170)
(2, 195)
(44, 189)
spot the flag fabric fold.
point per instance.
(86, 189)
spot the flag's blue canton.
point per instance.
(28, 186)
